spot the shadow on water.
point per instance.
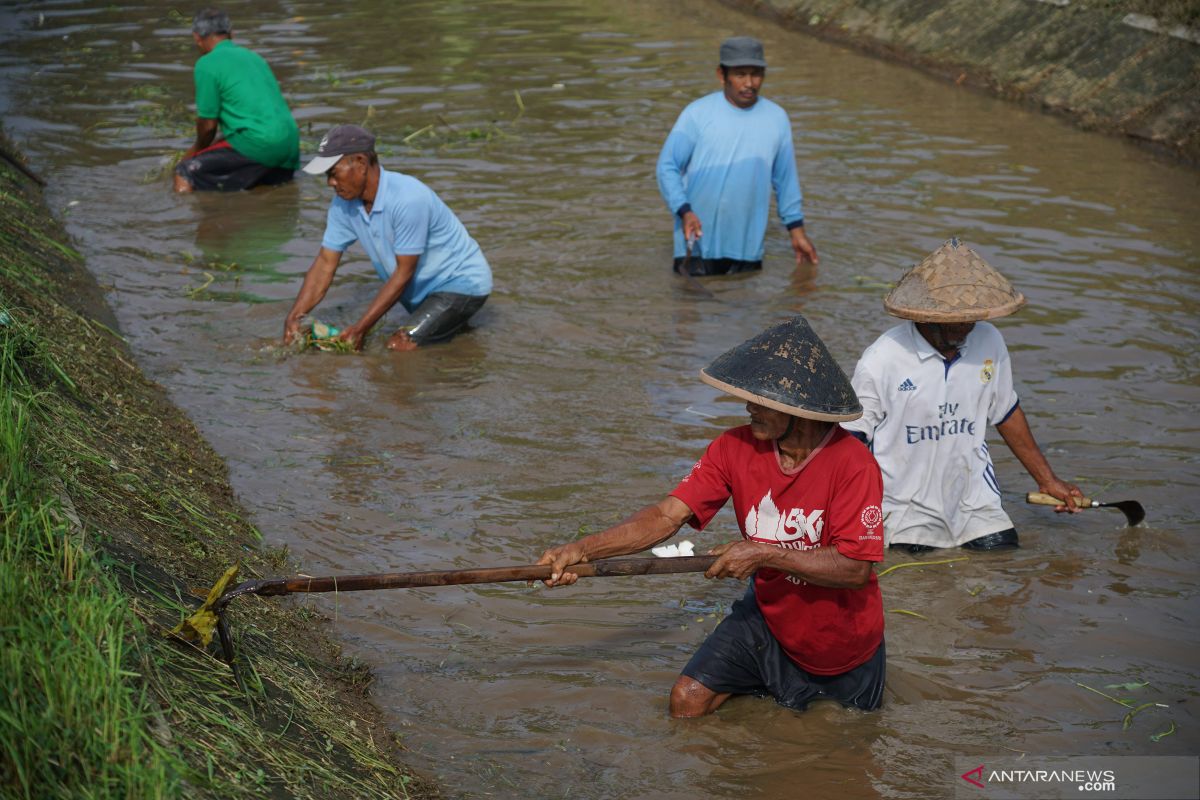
(574, 398)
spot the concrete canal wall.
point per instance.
(1128, 75)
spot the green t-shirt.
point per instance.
(236, 87)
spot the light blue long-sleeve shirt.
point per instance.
(723, 161)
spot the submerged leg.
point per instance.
(691, 698)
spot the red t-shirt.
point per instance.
(833, 499)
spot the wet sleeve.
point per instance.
(1004, 395)
(785, 179)
(673, 162)
(707, 487)
(338, 233)
(855, 525)
(410, 222)
(208, 92)
(867, 388)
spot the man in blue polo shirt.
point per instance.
(420, 250)
(718, 165)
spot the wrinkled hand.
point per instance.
(803, 247)
(1064, 491)
(739, 559)
(559, 558)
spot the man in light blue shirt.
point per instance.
(421, 251)
(718, 165)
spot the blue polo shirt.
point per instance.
(409, 219)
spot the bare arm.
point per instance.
(823, 566)
(1019, 439)
(206, 131)
(387, 296)
(645, 528)
(316, 284)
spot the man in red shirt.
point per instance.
(808, 500)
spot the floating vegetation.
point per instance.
(1128, 720)
(166, 166)
(319, 336)
(863, 282)
(1154, 737)
(1132, 704)
(922, 564)
(1105, 695)
(212, 264)
(907, 613)
(197, 292)
(438, 134)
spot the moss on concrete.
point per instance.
(1086, 62)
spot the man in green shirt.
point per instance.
(237, 93)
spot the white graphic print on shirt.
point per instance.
(795, 529)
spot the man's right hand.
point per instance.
(691, 227)
(354, 335)
(1069, 493)
(291, 329)
(559, 558)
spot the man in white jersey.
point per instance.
(929, 389)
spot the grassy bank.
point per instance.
(113, 507)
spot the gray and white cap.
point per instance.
(341, 141)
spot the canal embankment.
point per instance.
(115, 511)
(1103, 66)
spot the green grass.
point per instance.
(72, 723)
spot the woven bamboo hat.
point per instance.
(789, 369)
(953, 284)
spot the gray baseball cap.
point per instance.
(341, 141)
(742, 51)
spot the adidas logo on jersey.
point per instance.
(907, 386)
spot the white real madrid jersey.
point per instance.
(926, 420)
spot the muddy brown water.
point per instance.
(574, 399)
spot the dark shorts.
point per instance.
(223, 169)
(716, 266)
(441, 315)
(1000, 540)
(742, 657)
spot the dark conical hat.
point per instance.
(787, 368)
(953, 284)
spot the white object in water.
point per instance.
(684, 548)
